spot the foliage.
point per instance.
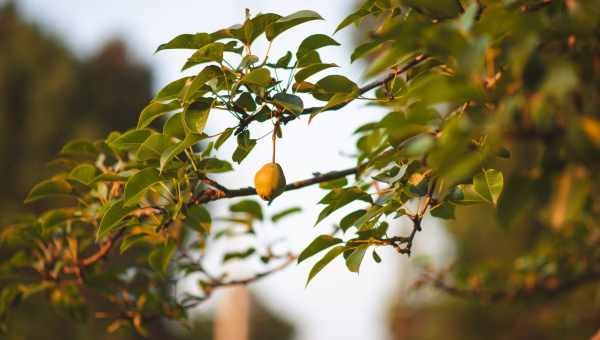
(465, 83)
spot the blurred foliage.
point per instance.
(490, 103)
(528, 269)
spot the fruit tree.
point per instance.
(489, 103)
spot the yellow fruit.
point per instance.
(269, 181)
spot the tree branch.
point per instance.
(209, 195)
(204, 197)
(101, 253)
(214, 284)
(419, 59)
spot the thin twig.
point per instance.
(101, 253)
(209, 195)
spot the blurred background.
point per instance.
(73, 69)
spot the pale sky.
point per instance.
(337, 304)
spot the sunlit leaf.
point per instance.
(354, 261)
(83, 173)
(155, 110)
(289, 102)
(330, 256)
(49, 188)
(114, 214)
(489, 184)
(178, 148)
(187, 41)
(131, 139)
(259, 77)
(138, 184)
(314, 42)
(319, 244)
(214, 165)
(287, 22)
(309, 70)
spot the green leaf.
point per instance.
(338, 100)
(363, 49)
(354, 261)
(172, 90)
(55, 217)
(160, 257)
(207, 74)
(340, 197)
(214, 165)
(114, 214)
(174, 126)
(108, 177)
(248, 206)
(259, 77)
(489, 184)
(287, 22)
(289, 102)
(332, 84)
(131, 240)
(240, 255)
(465, 194)
(83, 173)
(196, 115)
(352, 18)
(187, 41)
(223, 137)
(284, 61)
(208, 150)
(207, 53)
(376, 257)
(349, 220)
(79, 147)
(138, 184)
(49, 187)
(248, 61)
(314, 42)
(258, 25)
(308, 58)
(278, 216)
(311, 69)
(178, 148)
(319, 244)
(154, 110)
(330, 256)
(250, 30)
(130, 140)
(198, 218)
(246, 102)
(444, 210)
(245, 145)
(154, 147)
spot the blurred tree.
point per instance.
(48, 97)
